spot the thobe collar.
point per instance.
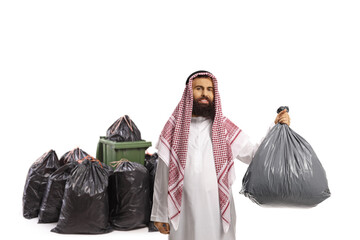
(200, 122)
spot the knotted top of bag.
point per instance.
(123, 130)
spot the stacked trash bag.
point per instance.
(86, 196)
(123, 130)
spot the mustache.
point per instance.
(202, 98)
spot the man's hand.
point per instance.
(164, 228)
(283, 117)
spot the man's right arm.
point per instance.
(159, 211)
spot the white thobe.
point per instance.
(200, 217)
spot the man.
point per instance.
(192, 193)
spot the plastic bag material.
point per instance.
(129, 191)
(52, 200)
(36, 182)
(285, 171)
(151, 162)
(85, 208)
(73, 156)
(123, 130)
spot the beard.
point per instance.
(203, 109)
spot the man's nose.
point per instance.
(205, 93)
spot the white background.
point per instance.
(69, 69)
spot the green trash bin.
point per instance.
(110, 151)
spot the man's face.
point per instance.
(203, 88)
(203, 96)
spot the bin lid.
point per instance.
(122, 145)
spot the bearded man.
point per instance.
(192, 192)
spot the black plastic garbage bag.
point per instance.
(73, 156)
(285, 171)
(123, 130)
(36, 181)
(129, 190)
(85, 208)
(52, 201)
(151, 165)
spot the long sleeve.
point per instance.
(159, 211)
(243, 149)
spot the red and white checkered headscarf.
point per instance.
(173, 145)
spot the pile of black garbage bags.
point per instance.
(86, 196)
